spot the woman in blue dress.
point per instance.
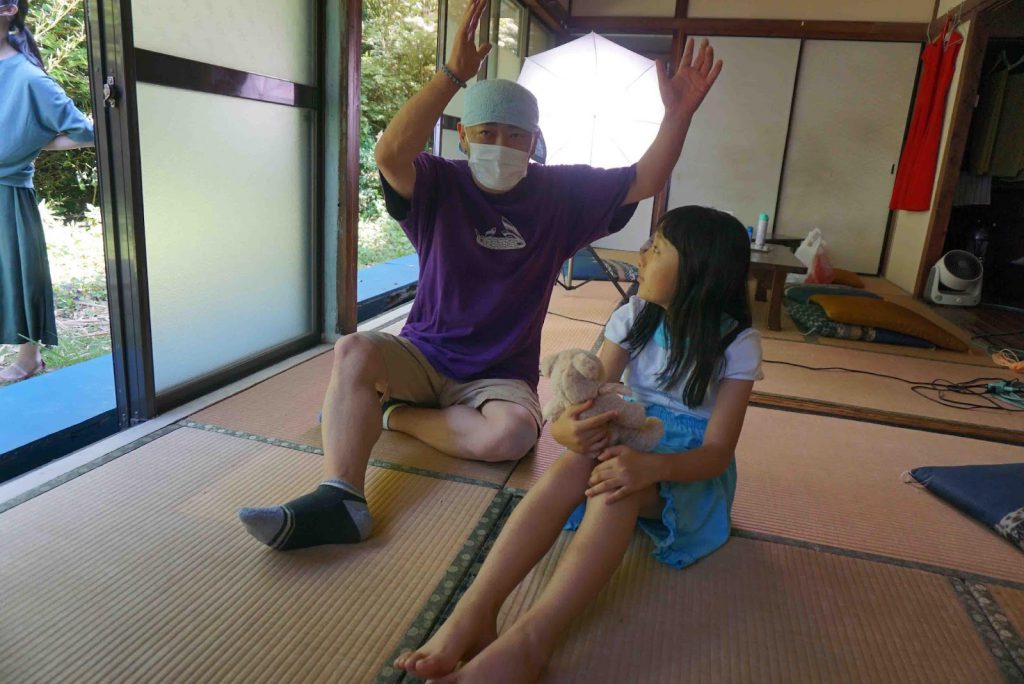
(36, 115)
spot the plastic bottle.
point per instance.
(750, 232)
(762, 229)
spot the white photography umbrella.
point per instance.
(599, 102)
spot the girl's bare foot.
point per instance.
(515, 658)
(460, 638)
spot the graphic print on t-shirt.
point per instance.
(505, 237)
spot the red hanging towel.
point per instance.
(916, 175)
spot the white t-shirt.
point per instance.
(742, 362)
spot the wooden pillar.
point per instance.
(348, 167)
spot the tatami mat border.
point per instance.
(876, 558)
(979, 618)
(443, 597)
(86, 467)
(907, 421)
(273, 441)
(1000, 623)
(994, 629)
(852, 553)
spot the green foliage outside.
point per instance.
(398, 57)
(67, 180)
(398, 53)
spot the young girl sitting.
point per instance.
(691, 357)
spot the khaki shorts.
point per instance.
(412, 378)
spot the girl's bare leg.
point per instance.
(521, 653)
(526, 537)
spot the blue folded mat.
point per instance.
(992, 494)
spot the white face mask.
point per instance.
(496, 167)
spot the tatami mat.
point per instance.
(838, 482)
(872, 392)
(408, 452)
(283, 407)
(286, 405)
(594, 301)
(140, 571)
(590, 305)
(530, 469)
(1012, 603)
(761, 612)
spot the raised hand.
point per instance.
(466, 58)
(685, 90)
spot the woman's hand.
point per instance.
(63, 142)
(466, 58)
(624, 471)
(588, 436)
(686, 89)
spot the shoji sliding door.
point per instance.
(850, 112)
(733, 155)
(227, 104)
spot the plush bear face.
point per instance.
(575, 374)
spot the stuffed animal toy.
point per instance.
(576, 377)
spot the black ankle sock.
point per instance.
(332, 514)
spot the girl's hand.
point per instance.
(466, 58)
(683, 93)
(624, 471)
(587, 436)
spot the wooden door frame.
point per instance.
(974, 48)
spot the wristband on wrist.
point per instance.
(452, 77)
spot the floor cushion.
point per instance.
(879, 313)
(991, 494)
(841, 276)
(802, 293)
(810, 319)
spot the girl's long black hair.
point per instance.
(19, 36)
(714, 260)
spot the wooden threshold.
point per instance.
(902, 420)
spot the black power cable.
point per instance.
(977, 388)
(578, 320)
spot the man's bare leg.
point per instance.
(336, 512)
(498, 431)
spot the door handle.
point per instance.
(111, 93)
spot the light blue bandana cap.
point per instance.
(505, 102)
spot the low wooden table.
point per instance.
(771, 269)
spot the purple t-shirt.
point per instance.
(488, 262)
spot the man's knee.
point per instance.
(358, 357)
(508, 442)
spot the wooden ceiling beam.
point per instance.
(908, 32)
(551, 13)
